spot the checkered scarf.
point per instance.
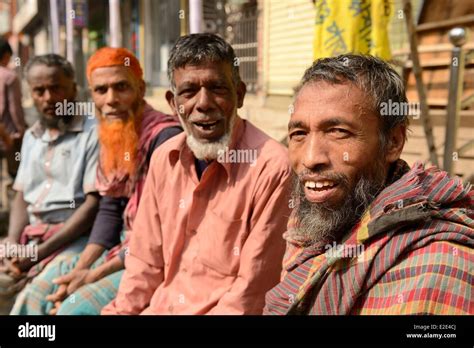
(420, 206)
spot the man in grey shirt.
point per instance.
(56, 200)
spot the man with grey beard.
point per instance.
(209, 227)
(368, 235)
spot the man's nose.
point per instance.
(204, 102)
(48, 96)
(111, 97)
(315, 153)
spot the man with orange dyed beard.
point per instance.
(129, 131)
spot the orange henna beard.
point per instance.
(119, 141)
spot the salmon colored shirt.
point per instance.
(209, 246)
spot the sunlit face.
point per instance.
(336, 155)
(206, 99)
(48, 86)
(116, 92)
(332, 133)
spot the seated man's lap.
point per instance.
(89, 299)
(32, 299)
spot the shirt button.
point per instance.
(170, 308)
(185, 270)
(47, 164)
(48, 185)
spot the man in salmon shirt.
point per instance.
(214, 205)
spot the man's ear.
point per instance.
(395, 143)
(74, 89)
(241, 90)
(171, 102)
(142, 88)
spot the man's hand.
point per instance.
(18, 277)
(9, 267)
(22, 264)
(55, 309)
(57, 298)
(68, 284)
(75, 279)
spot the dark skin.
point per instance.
(334, 130)
(48, 85)
(206, 89)
(116, 92)
(83, 274)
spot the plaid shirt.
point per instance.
(413, 255)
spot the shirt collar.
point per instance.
(76, 125)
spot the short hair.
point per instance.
(51, 59)
(5, 48)
(199, 48)
(114, 56)
(373, 76)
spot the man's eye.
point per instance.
(122, 86)
(340, 132)
(219, 89)
(100, 90)
(296, 135)
(38, 91)
(187, 93)
(55, 89)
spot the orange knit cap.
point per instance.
(110, 56)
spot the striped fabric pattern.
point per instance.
(417, 240)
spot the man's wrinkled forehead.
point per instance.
(42, 74)
(325, 100)
(112, 75)
(222, 68)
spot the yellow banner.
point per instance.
(357, 26)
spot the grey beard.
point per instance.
(54, 122)
(318, 222)
(209, 151)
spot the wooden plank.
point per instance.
(425, 118)
(436, 63)
(445, 24)
(437, 48)
(438, 119)
(467, 101)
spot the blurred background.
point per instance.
(276, 40)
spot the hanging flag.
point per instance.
(357, 26)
